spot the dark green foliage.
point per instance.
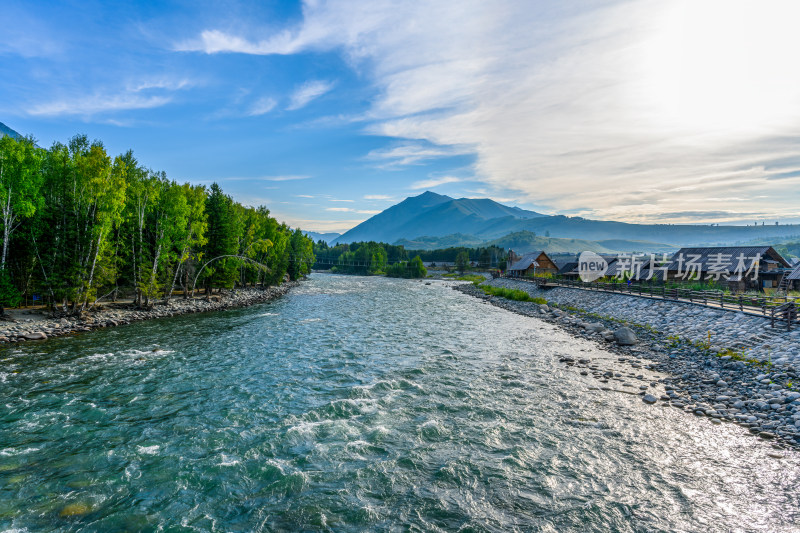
(489, 254)
(462, 262)
(223, 238)
(512, 294)
(407, 269)
(9, 295)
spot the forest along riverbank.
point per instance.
(758, 396)
(37, 326)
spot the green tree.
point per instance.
(417, 268)
(9, 295)
(20, 181)
(223, 239)
(462, 262)
(485, 258)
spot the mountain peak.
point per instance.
(431, 194)
(432, 214)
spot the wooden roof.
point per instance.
(526, 261)
(795, 274)
(730, 257)
(570, 267)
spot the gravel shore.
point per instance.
(761, 397)
(36, 326)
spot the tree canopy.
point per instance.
(78, 225)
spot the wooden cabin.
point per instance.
(739, 267)
(530, 264)
(793, 279)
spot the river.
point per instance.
(357, 404)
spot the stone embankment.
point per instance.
(39, 327)
(671, 338)
(750, 335)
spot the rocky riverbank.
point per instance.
(36, 326)
(759, 396)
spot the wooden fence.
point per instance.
(778, 310)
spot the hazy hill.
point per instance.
(675, 234)
(436, 243)
(327, 237)
(526, 241)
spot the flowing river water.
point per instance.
(361, 404)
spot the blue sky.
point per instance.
(328, 112)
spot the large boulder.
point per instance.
(36, 336)
(625, 337)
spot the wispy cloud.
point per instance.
(98, 104)
(165, 83)
(412, 153)
(147, 93)
(303, 196)
(377, 197)
(216, 41)
(307, 92)
(340, 209)
(434, 182)
(286, 178)
(262, 106)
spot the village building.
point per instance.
(568, 269)
(741, 268)
(793, 279)
(530, 264)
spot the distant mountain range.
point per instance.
(327, 237)
(432, 220)
(5, 130)
(527, 241)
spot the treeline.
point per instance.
(368, 259)
(483, 257)
(78, 225)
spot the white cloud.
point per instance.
(215, 41)
(339, 209)
(98, 104)
(377, 197)
(164, 83)
(144, 94)
(303, 196)
(337, 200)
(286, 178)
(262, 106)
(606, 109)
(307, 92)
(434, 182)
(410, 153)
